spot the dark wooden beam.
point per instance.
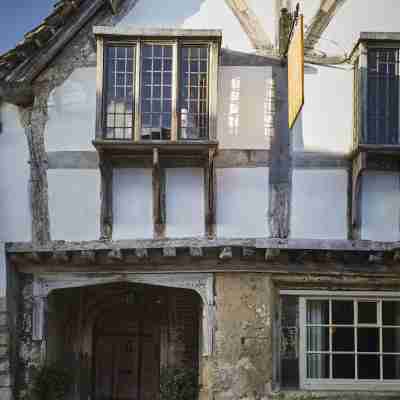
(209, 194)
(106, 199)
(158, 177)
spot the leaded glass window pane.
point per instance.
(193, 93)
(156, 92)
(119, 113)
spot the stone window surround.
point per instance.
(202, 283)
(332, 384)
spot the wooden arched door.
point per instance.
(127, 353)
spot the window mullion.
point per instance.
(136, 83)
(175, 91)
(380, 323)
(330, 341)
(355, 304)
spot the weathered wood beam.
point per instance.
(158, 178)
(115, 255)
(19, 94)
(60, 257)
(87, 256)
(169, 251)
(251, 24)
(106, 199)
(226, 253)
(141, 253)
(320, 21)
(257, 243)
(209, 194)
(30, 71)
(198, 252)
(248, 252)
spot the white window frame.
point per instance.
(340, 384)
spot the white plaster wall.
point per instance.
(359, 16)
(74, 204)
(184, 202)
(132, 203)
(242, 202)
(244, 107)
(327, 116)
(72, 113)
(190, 14)
(15, 214)
(380, 206)
(319, 204)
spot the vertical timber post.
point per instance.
(106, 171)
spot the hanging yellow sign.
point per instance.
(296, 72)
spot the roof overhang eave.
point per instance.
(20, 94)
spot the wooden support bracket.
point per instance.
(158, 196)
(209, 193)
(106, 227)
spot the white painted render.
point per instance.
(190, 14)
(72, 113)
(15, 213)
(184, 202)
(242, 202)
(74, 204)
(326, 121)
(319, 204)
(380, 206)
(245, 107)
(132, 203)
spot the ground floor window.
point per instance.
(340, 340)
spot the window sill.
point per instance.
(171, 153)
(368, 386)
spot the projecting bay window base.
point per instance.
(158, 157)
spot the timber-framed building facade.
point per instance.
(158, 214)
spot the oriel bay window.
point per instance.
(156, 85)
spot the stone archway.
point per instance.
(117, 342)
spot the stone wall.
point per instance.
(241, 365)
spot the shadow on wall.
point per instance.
(148, 13)
(246, 107)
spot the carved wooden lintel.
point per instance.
(272, 254)
(248, 252)
(141, 253)
(196, 251)
(115, 255)
(60, 257)
(169, 251)
(87, 256)
(226, 253)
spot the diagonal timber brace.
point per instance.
(251, 24)
(320, 21)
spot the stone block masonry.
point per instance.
(5, 367)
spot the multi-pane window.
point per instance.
(193, 101)
(350, 340)
(119, 93)
(383, 96)
(158, 90)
